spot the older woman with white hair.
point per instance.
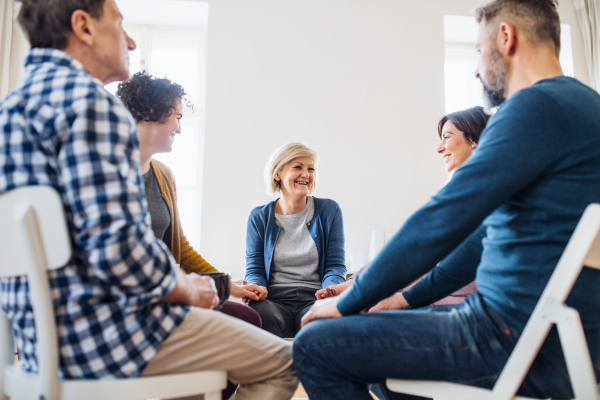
(295, 244)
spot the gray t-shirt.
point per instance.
(296, 259)
(159, 211)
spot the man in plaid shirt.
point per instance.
(121, 308)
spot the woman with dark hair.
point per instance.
(459, 132)
(156, 106)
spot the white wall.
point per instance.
(360, 81)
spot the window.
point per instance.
(462, 90)
(177, 53)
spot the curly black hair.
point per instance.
(148, 98)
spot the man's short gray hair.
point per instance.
(537, 18)
(47, 23)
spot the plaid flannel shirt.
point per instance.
(60, 128)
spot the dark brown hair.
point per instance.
(148, 98)
(471, 122)
(538, 18)
(48, 22)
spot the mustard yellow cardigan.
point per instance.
(185, 255)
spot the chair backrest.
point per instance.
(34, 238)
(583, 250)
(46, 204)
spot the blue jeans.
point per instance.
(469, 344)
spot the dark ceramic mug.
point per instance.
(223, 285)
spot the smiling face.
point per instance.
(297, 177)
(158, 137)
(112, 45)
(454, 147)
(492, 69)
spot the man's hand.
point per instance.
(326, 308)
(329, 291)
(193, 290)
(394, 302)
(204, 291)
(245, 292)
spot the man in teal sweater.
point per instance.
(535, 170)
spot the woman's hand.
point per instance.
(245, 292)
(329, 291)
(326, 308)
(394, 302)
(259, 291)
(333, 290)
(262, 293)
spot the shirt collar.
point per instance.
(38, 56)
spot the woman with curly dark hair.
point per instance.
(156, 105)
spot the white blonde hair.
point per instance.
(282, 157)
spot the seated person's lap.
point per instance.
(467, 344)
(283, 309)
(241, 311)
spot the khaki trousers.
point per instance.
(209, 340)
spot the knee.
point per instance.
(303, 347)
(253, 317)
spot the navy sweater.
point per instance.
(536, 168)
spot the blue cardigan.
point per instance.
(326, 228)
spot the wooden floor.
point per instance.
(301, 394)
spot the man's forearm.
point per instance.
(181, 293)
(453, 273)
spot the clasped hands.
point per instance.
(248, 292)
(200, 291)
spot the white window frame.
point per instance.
(147, 33)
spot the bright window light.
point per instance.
(462, 89)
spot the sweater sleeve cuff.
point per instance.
(415, 296)
(349, 302)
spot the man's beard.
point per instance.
(495, 84)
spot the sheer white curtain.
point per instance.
(588, 15)
(6, 31)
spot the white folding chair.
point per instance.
(33, 239)
(582, 250)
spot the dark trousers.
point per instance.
(282, 311)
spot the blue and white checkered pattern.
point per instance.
(60, 128)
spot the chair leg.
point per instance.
(577, 355)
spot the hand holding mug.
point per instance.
(204, 292)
